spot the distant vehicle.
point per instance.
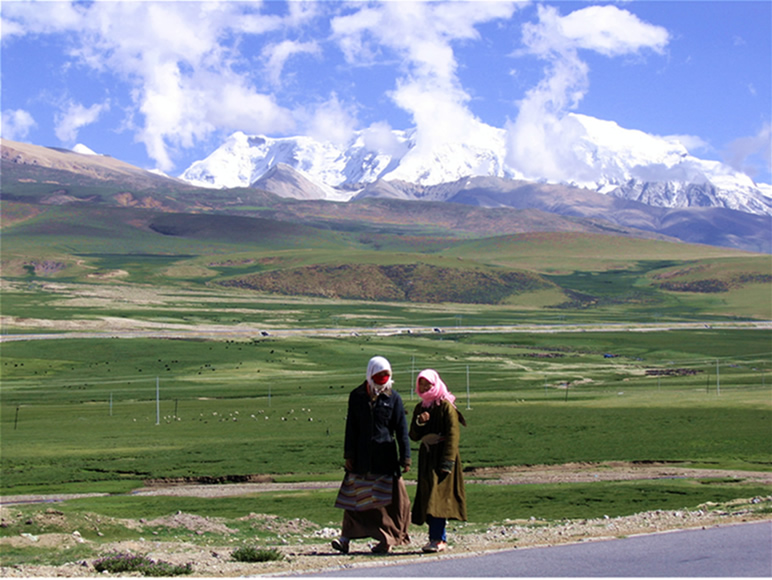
(437, 330)
(609, 355)
(264, 333)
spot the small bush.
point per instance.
(121, 563)
(248, 554)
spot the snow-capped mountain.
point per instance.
(244, 159)
(599, 155)
(659, 171)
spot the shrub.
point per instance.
(249, 554)
(121, 563)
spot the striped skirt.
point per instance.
(364, 492)
(376, 506)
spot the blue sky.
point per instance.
(162, 84)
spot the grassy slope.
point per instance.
(567, 252)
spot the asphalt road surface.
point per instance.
(742, 550)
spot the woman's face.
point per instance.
(423, 385)
(381, 378)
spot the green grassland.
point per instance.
(79, 413)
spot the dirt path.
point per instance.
(565, 473)
(113, 327)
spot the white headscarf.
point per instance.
(375, 366)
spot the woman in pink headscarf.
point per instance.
(440, 491)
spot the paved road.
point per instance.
(742, 550)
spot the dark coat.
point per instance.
(376, 433)
(440, 486)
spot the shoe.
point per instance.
(380, 548)
(435, 546)
(341, 544)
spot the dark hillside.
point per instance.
(236, 229)
(414, 282)
(454, 219)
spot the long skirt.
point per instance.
(388, 524)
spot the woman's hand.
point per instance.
(431, 439)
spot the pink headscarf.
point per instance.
(438, 392)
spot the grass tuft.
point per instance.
(252, 554)
(120, 563)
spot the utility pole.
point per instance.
(157, 402)
(412, 378)
(468, 402)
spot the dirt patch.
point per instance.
(208, 480)
(109, 274)
(608, 471)
(191, 522)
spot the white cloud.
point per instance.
(691, 142)
(180, 58)
(420, 35)
(16, 124)
(74, 117)
(380, 137)
(607, 30)
(751, 154)
(21, 18)
(331, 121)
(241, 106)
(541, 139)
(276, 55)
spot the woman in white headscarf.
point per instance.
(376, 452)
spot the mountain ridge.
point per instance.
(476, 206)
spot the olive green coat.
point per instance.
(440, 486)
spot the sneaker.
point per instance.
(435, 546)
(341, 544)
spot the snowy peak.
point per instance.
(593, 154)
(83, 150)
